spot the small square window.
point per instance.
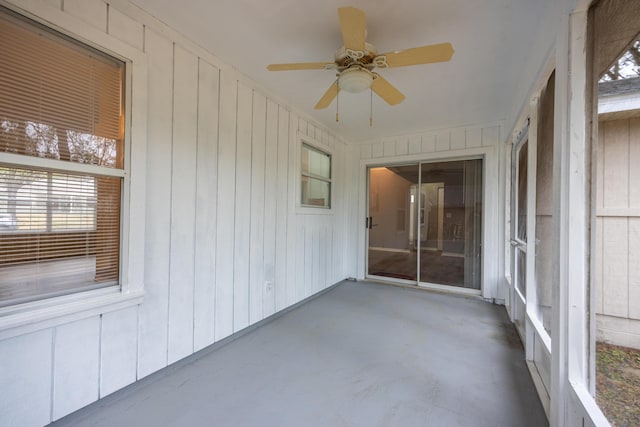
(315, 180)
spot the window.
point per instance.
(61, 163)
(316, 177)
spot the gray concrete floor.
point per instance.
(362, 354)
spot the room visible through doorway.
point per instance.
(425, 223)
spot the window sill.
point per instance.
(310, 210)
(37, 315)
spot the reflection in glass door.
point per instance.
(392, 222)
(451, 228)
(425, 223)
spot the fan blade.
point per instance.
(299, 66)
(420, 55)
(328, 96)
(353, 24)
(386, 90)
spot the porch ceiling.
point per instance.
(491, 38)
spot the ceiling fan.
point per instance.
(356, 60)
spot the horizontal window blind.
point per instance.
(59, 228)
(59, 232)
(59, 99)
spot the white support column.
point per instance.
(577, 163)
(571, 402)
(559, 311)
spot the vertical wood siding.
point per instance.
(225, 245)
(618, 232)
(454, 140)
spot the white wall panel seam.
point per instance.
(275, 219)
(195, 231)
(173, 84)
(100, 339)
(215, 243)
(250, 173)
(285, 212)
(264, 215)
(264, 187)
(53, 369)
(235, 215)
(137, 373)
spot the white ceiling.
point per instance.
(490, 38)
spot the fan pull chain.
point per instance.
(371, 110)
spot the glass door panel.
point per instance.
(451, 223)
(392, 222)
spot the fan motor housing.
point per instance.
(347, 57)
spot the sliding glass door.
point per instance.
(425, 223)
(451, 223)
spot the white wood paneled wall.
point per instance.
(225, 246)
(455, 140)
(618, 232)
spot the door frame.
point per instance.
(491, 230)
(518, 301)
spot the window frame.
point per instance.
(319, 147)
(49, 228)
(31, 316)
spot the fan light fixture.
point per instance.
(355, 80)
(355, 61)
